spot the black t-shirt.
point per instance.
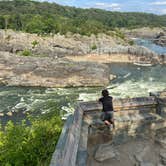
(107, 103)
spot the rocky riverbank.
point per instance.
(123, 54)
(47, 72)
(56, 45)
(65, 61)
(161, 39)
(145, 32)
(157, 35)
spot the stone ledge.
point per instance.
(71, 143)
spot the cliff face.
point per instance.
(46, 72)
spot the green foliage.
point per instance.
(26, 52)
(94, 47)
(43, 17)
(22, 145)
(34, 43)
(119, 34)
(131, 42)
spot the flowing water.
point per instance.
(149, 44)
(131, 81)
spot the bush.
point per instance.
(22, 145)
(120, 34)
(94, 47)
(131, 42)
(34, 43)
(26, 52)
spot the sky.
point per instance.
(149, 6)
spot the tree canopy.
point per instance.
(44, 17)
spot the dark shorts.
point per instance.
(107, 116)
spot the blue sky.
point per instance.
(150, 6)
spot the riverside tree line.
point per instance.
(43, 17)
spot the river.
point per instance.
(131, 81)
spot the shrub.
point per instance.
(131, 42)
(34, 43)
(22, 145)
(26, 52)
(94, 47)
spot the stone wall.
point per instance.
(72, 147)
(67, 147)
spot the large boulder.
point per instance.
(160, 39)
(49, 72)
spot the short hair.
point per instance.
(105, 93)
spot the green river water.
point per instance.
(131, 81)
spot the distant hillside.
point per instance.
(44, 17)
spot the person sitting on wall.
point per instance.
(108, 111)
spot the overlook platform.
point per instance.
(138, 139)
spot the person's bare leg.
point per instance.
(107, 122)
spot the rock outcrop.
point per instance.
(145, 32)
(47, 72)
(56, 45)
(160, 39)
(124, 54)
(32, 60)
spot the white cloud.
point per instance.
(163, 11)
(116, 8)
(159, 3)
(106, 5)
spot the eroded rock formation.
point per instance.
(145, 32)
(32, 60)
(47, 72)
(160, 39)
(56, 45)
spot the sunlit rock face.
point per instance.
(60, 45)
(46, 72)
(56, 45)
